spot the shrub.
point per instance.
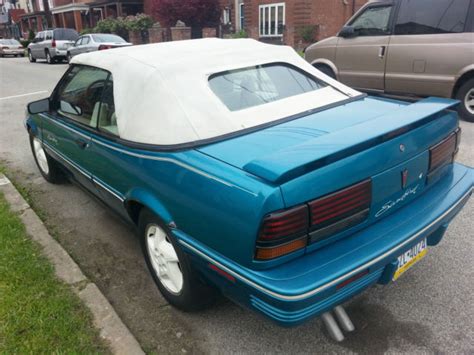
(112, 25)
(140, 22)
(307, 33)
(31, 35)
(121, 26)
(25, 43)
(86, 31)
(240, 34)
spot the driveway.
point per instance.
(430, 309)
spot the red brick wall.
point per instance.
(327, 16)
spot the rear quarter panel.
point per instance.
(214, 203)
(427, 64)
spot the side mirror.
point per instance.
(347, 32)
(38, 106)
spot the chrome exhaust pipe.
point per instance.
(332, 327)
(343, 319)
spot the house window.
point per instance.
(271, 20)
(241, 15)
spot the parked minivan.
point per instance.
(51, 45)
(405, 47)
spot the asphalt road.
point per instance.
(430, 309)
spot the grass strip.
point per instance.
(38, 313)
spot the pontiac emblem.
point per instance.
(402, 148)
(404, 178)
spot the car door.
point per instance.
(110, 172)
(361, 58)
(85, 47)
(67, 127)
(37, 43)
(47, 43)
(429, 47)
(76, 49)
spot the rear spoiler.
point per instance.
(289, 163)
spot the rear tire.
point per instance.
(47, 166)
(30, 57)
(49, 59)
(465, 94)
(170, 267)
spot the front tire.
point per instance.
(326, 70)
(465, 94)
(170, 267)
(47, 166)
(30, 57)
(69, 57)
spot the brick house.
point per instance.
(37, 16)
(285, 21)
(10, 13)
(80, 14)
(77, 14)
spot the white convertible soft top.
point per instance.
(162, 95)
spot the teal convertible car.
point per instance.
(247, 171)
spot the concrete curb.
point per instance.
(111, 327)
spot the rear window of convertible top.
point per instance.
(256, 85)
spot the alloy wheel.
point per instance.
(469, 101)
(48, 58)
(40, 155)
(164, 259)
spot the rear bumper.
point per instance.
(55, 52)
(307, 286)
(12, 51)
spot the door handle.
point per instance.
(382, 51)
(81, 143)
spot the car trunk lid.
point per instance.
(372, 138)
(286, 151)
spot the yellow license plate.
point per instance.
(410, 258)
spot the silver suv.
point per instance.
(405, 47)
(51, 45)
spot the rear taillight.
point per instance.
(285, 224)
(104, 46)
(53, 43)
(443, 153)
(290, 230)
(282, 233)
(340, 210)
